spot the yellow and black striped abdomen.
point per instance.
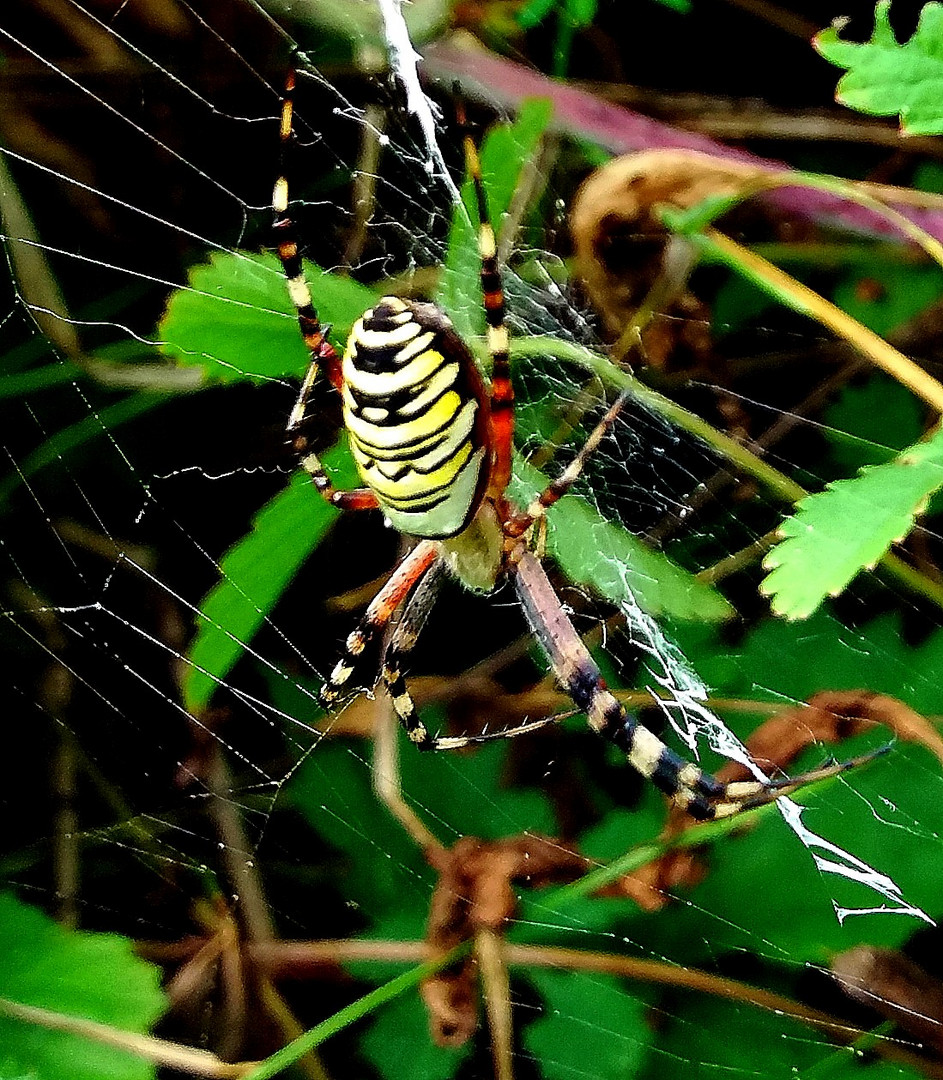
(417, 416)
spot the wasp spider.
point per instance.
(432, 442)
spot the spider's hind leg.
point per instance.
(404, 640)
(692, 789)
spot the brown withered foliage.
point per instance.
(475, 892)
(896, 988)
(627, 258)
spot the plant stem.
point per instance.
(726, 447)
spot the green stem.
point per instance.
(356, 1010)
(617, 379)
(739, 456)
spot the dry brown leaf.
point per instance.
(895, 987)
(475, 892)
(621, 246)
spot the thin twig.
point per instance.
(489, 949)
(365, 181)
(159, 1051)
(801, 298)
(386, 773)
(305, 957)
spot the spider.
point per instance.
(433, 442)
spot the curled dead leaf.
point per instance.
(475, 892)
(625, 255)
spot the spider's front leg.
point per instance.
(320, 350)
(689, 787)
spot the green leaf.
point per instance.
(716, 1038)
(879, 812)
(849, 526)
(884, 78)
(235, 319)
(799, 922)
(884, 304)
(623, 829)
(581, 12)
(737, 303)
(506, 151)
(591, 1024)
(870, 422)
(784, 661)
(534, 12)
(100, 422)
(595, 552)
(399, 1047)
(82, 975)
(256, 571)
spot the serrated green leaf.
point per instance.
(885, 78)
(849, 526)
(591, 1024)
(236, 321)
(83, 975)
(255, 572)
(595, 552)
(506, 151)
(398, 1044)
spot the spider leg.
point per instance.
(404, 640)
(319, 348)
(689, 787)
(378, 615)
(502, 390)
(557, 488)
(405, 636)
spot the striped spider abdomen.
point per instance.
(417, 414)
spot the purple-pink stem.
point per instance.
(505, 85)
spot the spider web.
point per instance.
(169, 798)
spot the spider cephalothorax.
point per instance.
(432, 442)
